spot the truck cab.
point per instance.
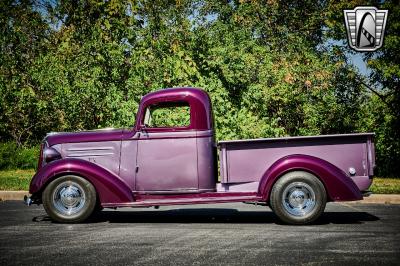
(175, 143)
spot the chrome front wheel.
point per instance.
(69, 199)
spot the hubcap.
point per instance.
(68, 198)
(298, 199)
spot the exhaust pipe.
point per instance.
(27, 200)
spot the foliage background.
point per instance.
(272, 68)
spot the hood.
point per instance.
(84, 136)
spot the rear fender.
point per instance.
(110, 187)
(338, 185)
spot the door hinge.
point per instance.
(137, 169)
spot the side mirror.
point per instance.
(143, 130)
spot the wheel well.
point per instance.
(300, 170)
(38, 194)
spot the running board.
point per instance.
(182, 201)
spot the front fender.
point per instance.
(338, 185)
(110, 187)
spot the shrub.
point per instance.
(14, 157)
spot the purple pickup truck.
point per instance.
(170, 157)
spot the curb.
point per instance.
(379, 199)
(13, 195)
(373, 199)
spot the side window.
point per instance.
(167, 115)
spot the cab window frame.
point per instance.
(169, 104)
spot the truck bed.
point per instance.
(243, 162)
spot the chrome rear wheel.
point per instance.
(298, 197)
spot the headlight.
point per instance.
(50, 154)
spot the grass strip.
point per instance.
(15, 179)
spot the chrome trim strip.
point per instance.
(89, 154)
(90, 149)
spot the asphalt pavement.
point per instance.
(224, 234)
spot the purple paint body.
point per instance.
(335, 181)
(109, 186)
(146, 166)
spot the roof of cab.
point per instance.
(198, 99)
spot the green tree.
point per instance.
(384, 82)
(23, 37)
(267, 65)
(380, 111)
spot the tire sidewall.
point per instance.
(277, 203)
(83, 214)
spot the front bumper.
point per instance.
(32, 200)
(27, 200)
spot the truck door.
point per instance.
(167, 154)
